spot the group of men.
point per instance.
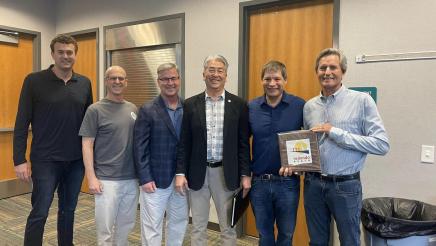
(187, 152)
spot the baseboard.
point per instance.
(14, 187)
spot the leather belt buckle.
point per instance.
(266, 176)
(214, 164)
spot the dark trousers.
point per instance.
(324, 199)
(46, 177)
(275, 201)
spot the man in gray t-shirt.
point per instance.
(107, 136)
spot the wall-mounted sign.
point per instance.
(372, 91)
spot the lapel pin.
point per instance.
(229, 100)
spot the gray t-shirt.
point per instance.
(111, 124)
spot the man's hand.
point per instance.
(23, 171)
(325, 128)
(95, 186)
(285, 171)
(181, 184)
(149, 187)
(246, 185)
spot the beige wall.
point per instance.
(406, 89)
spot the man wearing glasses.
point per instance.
(156, 135)
(107, 140)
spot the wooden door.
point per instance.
(16, 61)
(86, 64)
(293, 34)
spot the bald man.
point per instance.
(107, 140)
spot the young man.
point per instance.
(54, 102)
(107, 132)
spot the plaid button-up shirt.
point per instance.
(214, 127)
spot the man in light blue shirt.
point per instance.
(349, 127)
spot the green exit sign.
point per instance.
(372, 91)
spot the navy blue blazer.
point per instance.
(155, 144)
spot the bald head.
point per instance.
(116, 82)
(114, 69)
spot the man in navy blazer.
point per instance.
(156, 135)
(213, 154)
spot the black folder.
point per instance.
(239, 205)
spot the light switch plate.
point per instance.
(427, 154)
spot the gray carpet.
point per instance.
(14, 212)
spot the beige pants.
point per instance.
(214, 185)
(115, 211)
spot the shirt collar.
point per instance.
(221, 97)
(179, 104)
(286, 98)
(73, 78)
(336, 94)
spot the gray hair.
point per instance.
(274, 66)
(332, 51)
(167, 66)
(219, 58)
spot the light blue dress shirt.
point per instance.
(357, 130)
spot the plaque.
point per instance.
(299, 151)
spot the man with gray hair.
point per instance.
(349, 127)
(107, 140)
(156, 135)
(213, 154)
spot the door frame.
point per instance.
(15, 187)
(245, 8)
(96, 31)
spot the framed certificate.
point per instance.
(299, 151)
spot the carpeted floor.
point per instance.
(14, 212)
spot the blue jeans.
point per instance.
(275, 201)
(342, 200)
(46, 177)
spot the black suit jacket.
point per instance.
(192, 149)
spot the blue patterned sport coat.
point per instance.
(155, 144)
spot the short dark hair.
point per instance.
(64, 39)
(336, 52)
(274, 66)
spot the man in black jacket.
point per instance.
(213, 155)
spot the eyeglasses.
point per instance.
(167, 80)
(121, 79)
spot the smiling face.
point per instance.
(64, 56)
(215, 76)
(273, 84)
(329, 74)
(169, 82)
(115, 81)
